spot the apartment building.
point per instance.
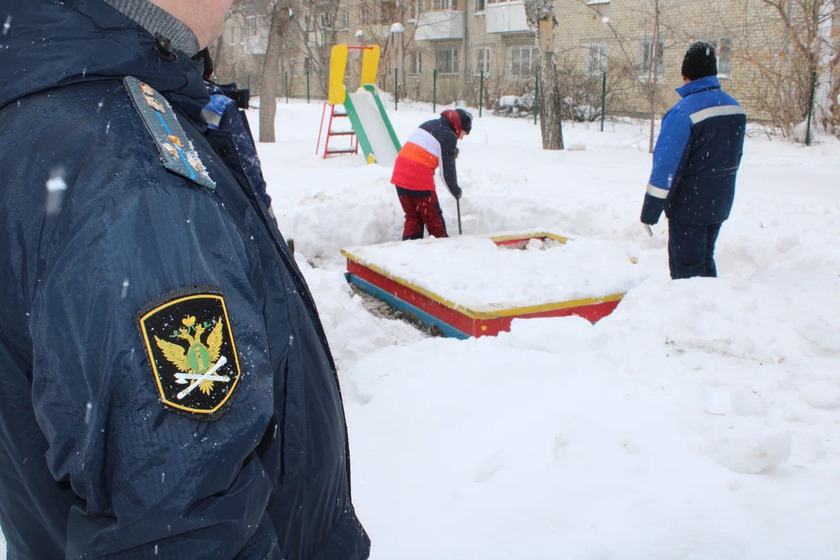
(448, 48)
(641, 52)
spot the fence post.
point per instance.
(307, 86)
(811, 107)
(603, 100)
(434, 90)
(481, 94)
(396, 88)
(286, 80)
(537, 96)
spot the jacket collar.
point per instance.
(54, 43)
(157, 20)
(700, 84)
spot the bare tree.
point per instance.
(281, 16)
(780, 43)
(314, 33)
(376, 19)
(808, 30)
(626, 67)
(654, 63)
(542, 22)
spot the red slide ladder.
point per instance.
(354, 143)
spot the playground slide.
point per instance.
(372, 126)
(367, 114)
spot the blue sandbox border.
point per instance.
(399, 305)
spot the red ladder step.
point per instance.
(354, 142)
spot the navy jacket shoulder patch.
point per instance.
(189, 342)
(175, 149)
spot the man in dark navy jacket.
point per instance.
(695, 163)
(167, 388)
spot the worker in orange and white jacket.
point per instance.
(433, 144)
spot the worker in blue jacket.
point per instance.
(695, 164)
(167, 387)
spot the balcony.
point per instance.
(506, 17)
(439, 25)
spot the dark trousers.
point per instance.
(421, 209)
(691, 250)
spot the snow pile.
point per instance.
(474, 272)
(697, 421)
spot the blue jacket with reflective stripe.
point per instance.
(696, 157)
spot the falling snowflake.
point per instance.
(56, 186)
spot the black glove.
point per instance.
(652, 209)
(457, 192)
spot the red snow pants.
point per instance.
(421, 208)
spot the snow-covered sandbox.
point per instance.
(476, 285)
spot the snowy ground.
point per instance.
(698, 421)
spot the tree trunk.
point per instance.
(550, 104)
(541, 22)
(216, 53)
(271, 71)
(825, 57)
(652, 74)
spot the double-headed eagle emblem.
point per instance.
(198, 363)
(192, 352)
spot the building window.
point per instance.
(415, 9)
(724, 57)
(482, 61)
(447, 61)
(364, 16)
(389, 13)
(444, 5)
(343, 19)
(479, 6)
(646, 57)
(522, 60)
(596, 58)
(237, 34)
(414, 63)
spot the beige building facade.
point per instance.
(447, 49)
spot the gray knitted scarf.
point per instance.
(157, 20)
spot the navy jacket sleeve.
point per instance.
(670, 146)
(448, 151)
(223, 114)
(148, 480)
